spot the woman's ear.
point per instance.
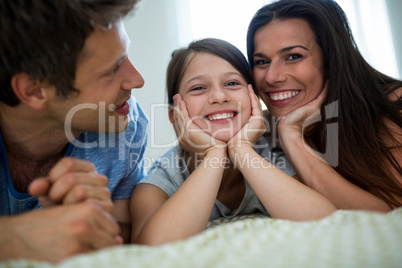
(29, 91)
(171, 111)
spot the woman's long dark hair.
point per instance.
(360, 90)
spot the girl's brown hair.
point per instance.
(182, 57)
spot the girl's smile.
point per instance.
(221, 117)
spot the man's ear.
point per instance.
(29, 91)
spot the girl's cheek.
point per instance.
(200, 123)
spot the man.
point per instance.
(70, 132)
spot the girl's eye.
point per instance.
(294, 57)
(232, 83)
(197, 88)
(261, 62)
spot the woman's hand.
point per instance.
(252, 130)
(191, 137)
(291, 126)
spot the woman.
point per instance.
(304, 57)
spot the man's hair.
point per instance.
(44, 39)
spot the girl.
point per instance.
(216, 172)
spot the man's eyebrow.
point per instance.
(119, 61)
(125, 56)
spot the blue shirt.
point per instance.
(117, 156)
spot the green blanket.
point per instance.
(344, 239)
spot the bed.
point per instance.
(343, 239)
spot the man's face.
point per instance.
(104, 79)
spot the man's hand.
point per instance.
(56, 233)
(72, 181)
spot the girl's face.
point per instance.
(288, 65)
(216, 96)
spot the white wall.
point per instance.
(394, 12)
(153, 38)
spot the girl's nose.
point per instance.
(218, 95)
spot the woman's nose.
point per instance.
(275, 73)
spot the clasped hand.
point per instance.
(72, 181)
(76, 215)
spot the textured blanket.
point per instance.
(344, 239)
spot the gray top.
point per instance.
(170, 171)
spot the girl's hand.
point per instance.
(252, 130)
(191, 137)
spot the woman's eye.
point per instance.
(260, 62)
(295, 57)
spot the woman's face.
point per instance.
(288, 65)
(216, 96)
